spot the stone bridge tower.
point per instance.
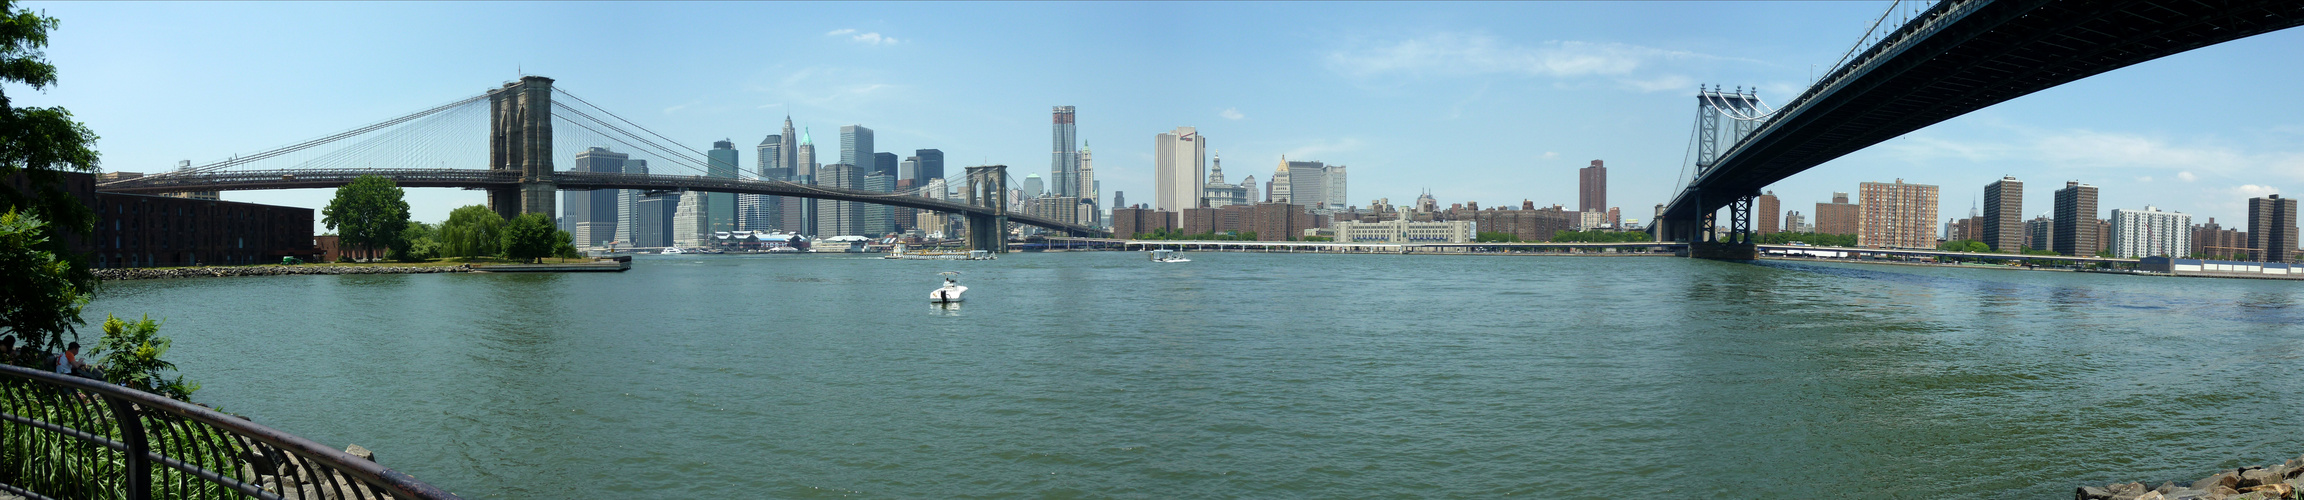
(520, 139)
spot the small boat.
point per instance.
(950, 292)
(671, 251)
(1167, 256)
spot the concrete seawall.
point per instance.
(219, 272)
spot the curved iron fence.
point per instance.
(70, 437)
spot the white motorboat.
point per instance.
(950, 292)
(1168, 256)
(671, 251)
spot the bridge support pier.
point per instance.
(988, 187)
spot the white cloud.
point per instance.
(1455, 54)
(2255, 191)
(1548, 155)
(872, 38)
(1231, 114)
(2186, 176)
(676, 108)
(2094, 150)
(771, 105)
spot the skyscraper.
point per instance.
(1033, 188)
(801, 214)
(722, 162)
(763, 212)
(1896, 215)
(592, 214)
(2004, 214)
(1087, 190)
(856, 148)
(1764, 213)
(2150, 232)
(1311, 184)
(931, 165)
(1178, 161)
(884, 163)
(872, 219)
(1064, 161)
(2076, 219)
(1592, 187)
(2272, 228)
(629, 222)
(838, 218)
(1282, 189)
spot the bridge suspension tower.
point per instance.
(1723, 118)
(520, 140)
(988, 187)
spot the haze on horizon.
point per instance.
(1486, 102)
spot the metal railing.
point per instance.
(71, 437)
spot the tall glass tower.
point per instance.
(721, 214)
(1064, 169)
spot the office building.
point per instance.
(591, 215)
(628, 219)
(764, 212)
(2075, 220)
(931, 165)
(2272, 228)
(1316, 185)
(655, 214)
(721, 161)
(1403, 231)
(2150, 232)
(833, 217)
(1837, 217)
(873, 219)
(1033, 188)
(1219, 194)
(2003, 224)
(1064, 160)
(1179, 160)
(1896, 215)
(691, 219)
(1796, 223)
(884, 163)
(1765, 210)
(1592, 187)
(856, 148)
(1088, 191)
(800, 214)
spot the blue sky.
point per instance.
(1487, 102)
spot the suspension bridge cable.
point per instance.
(614, 115)
(239, 160)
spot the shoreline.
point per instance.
(147, 273)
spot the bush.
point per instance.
(130, 354)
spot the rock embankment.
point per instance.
(218, 272)
(2246, 483)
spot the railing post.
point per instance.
(139, 480)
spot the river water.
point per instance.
(1098, 374)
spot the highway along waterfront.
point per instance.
(1255, 375)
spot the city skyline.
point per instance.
(1492, 103)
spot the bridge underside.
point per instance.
(1982, 53)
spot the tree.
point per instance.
(529, 237)
(368, 214)
(41, 145)
(564, 245)
(418, 242)
(43, 300)
(472, 231)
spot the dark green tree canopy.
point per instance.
(42, 144)
(472, 231)
(369, 213)
(530, 237)
(42, 302)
